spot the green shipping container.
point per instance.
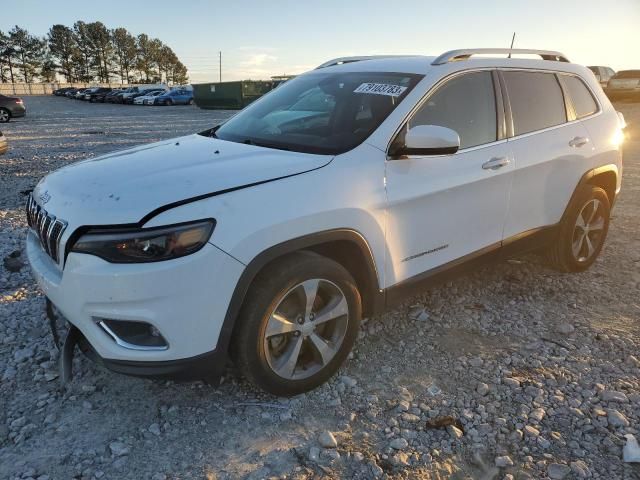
(230, 95)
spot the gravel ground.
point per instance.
(513, 372)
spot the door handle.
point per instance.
(496, 163)
(578, 142)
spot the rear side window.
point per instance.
(583, 102)
(465, 104)
(536, 101)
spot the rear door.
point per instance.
(549, 146)
(444, 207)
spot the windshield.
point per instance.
(325, 113)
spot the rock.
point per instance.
(399, 444)
(580, 469)
(119, 449)
(511, 382)
(504, 461)
(155, 429)
(616, 418)
(482, 389)
(159, 476)
(531, 431)
(613, 396)
(631, 450)
(537, 414)
(18, 423)
(633, 361)
(558, 471)
(314, 454)
(348, 381)
(455, 432)
(23, 354)
(13, 264)
(327, 440)
(410, 418)
(358, 456)
(565, 328)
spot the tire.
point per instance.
(168, 102)
(576, 247)
(5, 115)
(281, 289)
(191, 101)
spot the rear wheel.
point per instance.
(5, 115)
(582, 231)
(298, 323)
(191, 101)
(168, 102)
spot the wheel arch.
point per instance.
(605, 177)
(345, 246)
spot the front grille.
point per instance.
(47, 227)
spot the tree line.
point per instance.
(87, 52)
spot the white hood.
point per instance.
(124, 187)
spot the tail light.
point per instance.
(19, 100)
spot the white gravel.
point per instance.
(513, 372)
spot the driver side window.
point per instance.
(466, 104)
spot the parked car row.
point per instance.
(139, 95)
(623, 85)
(11, 107)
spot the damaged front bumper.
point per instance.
(209, 366)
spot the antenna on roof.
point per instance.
(513, 39)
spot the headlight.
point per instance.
(146, 244)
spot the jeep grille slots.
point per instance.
(47, 227)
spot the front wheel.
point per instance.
(582, 231)
(297, 325)
(168, 102)
(5, 115)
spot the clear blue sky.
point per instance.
(263, 38)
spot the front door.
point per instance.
(442, 208)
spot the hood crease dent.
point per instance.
(134, 185)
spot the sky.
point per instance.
(259, 39)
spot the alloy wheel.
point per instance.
(306, 329)
(587, 232)
(4, 116)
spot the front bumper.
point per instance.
(185, 299)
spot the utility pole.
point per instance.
(220, 65)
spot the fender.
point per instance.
(290, 246)
(587, 178)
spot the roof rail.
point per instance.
(342, 60)
(464, 54)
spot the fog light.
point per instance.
(133, 335)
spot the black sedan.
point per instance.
(94, 95)
(11, 107)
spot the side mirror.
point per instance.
(429, 140)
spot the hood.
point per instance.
(125, 186)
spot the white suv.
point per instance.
(267, 238)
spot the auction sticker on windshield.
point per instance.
(380, 89)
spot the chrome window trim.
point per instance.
(437, 85)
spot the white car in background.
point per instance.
(603, 74)
(147, 99)
(339, 193)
